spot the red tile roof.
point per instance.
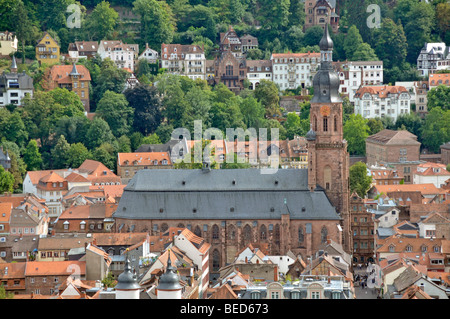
(382, 91)
(55, 268)
(142, 159)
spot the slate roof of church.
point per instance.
(161, 194)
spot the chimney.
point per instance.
(275, 273)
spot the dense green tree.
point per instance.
(72, 128)
(101, 22)
(23, 25)
(391, 45)
(267, 93)
(146, 103)
(439, 97)
(12, 127)
(252, 112)
(110, 78)
(411, 122)
(114, 109)
(32, 156)
(274, 14)
(60, 153)
(6, 181)
(77, 154)
(364, 52)
(436, 129)
(359, 179)
(41, 113)
(106, 154)
(313, 35)
(124, 144)
(355, 133)
(375, 125)
(157, 22)
(98, 133)
(164, 131)
(352, 41)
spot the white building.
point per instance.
(431, 173)
(354, 74)
(293, 70)
(258, 70)
(15, 86)
(149, 54)
(187, 60)
(123, 55)
(433, 57)
(382, 101)
(82, 49)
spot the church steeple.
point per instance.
(326, 80)
(328, 159)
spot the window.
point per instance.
(295, 295)
(274, 295)
(255, 295)
(325, 124)
(315, 295)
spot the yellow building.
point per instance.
(47, 50)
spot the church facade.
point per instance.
(290, 210)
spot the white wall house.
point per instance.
(149, 54)
(15, 86)
(433, 57)
(258, 70)
(433, 173)
(293, 70)
(123, 55)
(382, 101)
(354, 74)
(187, 60)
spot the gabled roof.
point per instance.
(52, 177)
(5, 212)
(382, 91)
(142, 159)
(61, 73)
(54, 268)
(391, 137)
(425, 189)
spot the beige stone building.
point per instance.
(129, 163)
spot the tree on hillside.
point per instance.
(439, 97)
(391, 45)
(157, 22)
(360, 181)
(115, 110)
(267, 93)
(32, 157)
(100, 23)
(355, 132)
(146, 103)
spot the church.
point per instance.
(290, 210)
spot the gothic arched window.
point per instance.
(315, 123)
(325, 124)
(263, 232)
(301, 236)
(335, 123)
(323, 234)
(247, 234)
(164, 227)
(231, 232)
(215, 232)
(229, 70)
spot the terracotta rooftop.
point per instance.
(425, 189)
(142, 159)
(55, 268)
(5, 212)
(436, 79)
(432, 169)
(60, 73)
(382, 91)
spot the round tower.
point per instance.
(169, 283)
(127, 286)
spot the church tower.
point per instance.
(328, 159)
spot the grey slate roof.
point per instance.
(161, 194)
